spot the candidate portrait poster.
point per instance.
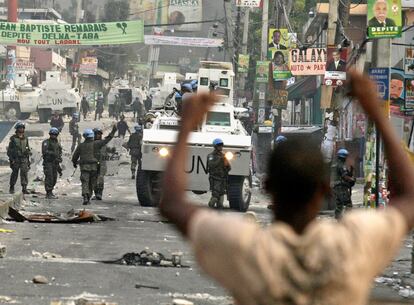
(384, 18)
(335, 74)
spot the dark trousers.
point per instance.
(23, 167)
(50, 169)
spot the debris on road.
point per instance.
(2, 251)
(7, 300)
(202, 297)
(83, 299)
(45, 255)
(138, 286)
(148, 258)
(70, 217)
(182, 302)
(40, 279)
(6, 231)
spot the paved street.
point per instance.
(81, 248)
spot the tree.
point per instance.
(116, 10)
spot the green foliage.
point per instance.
(116, 10)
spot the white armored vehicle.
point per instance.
(122, 88)
(56, 96)
(220, 122)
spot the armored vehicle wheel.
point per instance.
(239, 192)
(148, 188)
(24, 115)
(44, 115)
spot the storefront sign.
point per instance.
(308, 62)
(24, 65)
(384, 18)
(279, 98)
(382, 78)
(82, 34)
(89, 66)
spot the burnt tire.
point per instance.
(239, 192)
(148, 188)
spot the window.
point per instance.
(218, 119)
(224, 82)
(203, 81)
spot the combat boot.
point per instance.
(50, 195)
(85, 199)
(133, 175)
(98, 196)
(24, 190)
(11, 190)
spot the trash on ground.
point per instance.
(45, 255)
(138, 286)
(70, 217)
(83, 299)
(7, 300)
(2, 251)
(40, 279)
(406, 292)
(182, 302)
(148, 258)
(6, 231)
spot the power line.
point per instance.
(181, 23)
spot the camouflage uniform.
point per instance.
(102, 156)
(218, 168)
(19, 154)
(85, 152)
(74, 132)
(134, 146)
(52, 157)
(342, 188)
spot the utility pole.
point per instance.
(237, 45)
(242, 79)
(11, 50)
(265, 29)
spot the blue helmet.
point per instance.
(54, 131)
(194, 84)
(280, 139)
(19, 125)
(97, 130)
(88, 134)
(217, 142)
(342, 153)
(187, 86)
(178, 96)
(138, 128)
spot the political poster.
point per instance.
(310, 61)
(262, 72)
(381, 76)
(151, 11)
(184, 11)
(409, 93)
(248, 3)
(243, 64)
(397, 92)
(63, 35)
(335, 73)
(278, 39)
(279, 98)
(280, 65)
(384, 18)
(409, 61)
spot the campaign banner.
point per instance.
(381, 76)
(310, 61)
(89, 66)
(80, 34)
(278, 40)
(248, 3)
(262, 72)
(280, 65)
(197, 42)
(182, 11)
(384, 18)
(243, 64)
(409, 61)
(397, 88)
(335, 73)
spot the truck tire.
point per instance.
(239, 192)
(44, 115)
(12, 112)
(148, 188)
(24, 115)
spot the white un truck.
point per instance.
(220, 122)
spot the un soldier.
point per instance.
(74, 131)
(101, 155)
(344, 181)
(85, 154)
(19, 154)
(218, 168)
(134, 145)
(52, 157)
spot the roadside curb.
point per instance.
(7, 201)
